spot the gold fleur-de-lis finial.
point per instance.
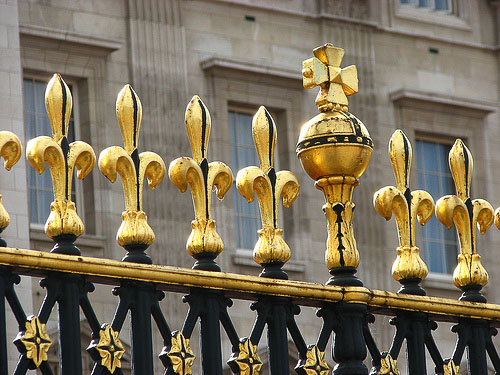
(336, 83)
(271, 251)
(466, 214)
(134, 234)
(63, 223)
(204, 243)
(408, 206)
(11, 150)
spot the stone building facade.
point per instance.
(431, 68)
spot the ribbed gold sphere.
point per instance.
(334, 143)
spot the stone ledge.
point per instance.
(406, 96)
(92, 45)
(224, 63)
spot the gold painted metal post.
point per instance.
(335, 148)
(467, 215)
(408, 206)
(63, 224)
(271, 251)
(134, 231)
(204, 243)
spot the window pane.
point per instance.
(435, 261)
(441, 5)
(29, 104)
(243, 154)
(439, 244)
(39, 88)
(451, 257)
(424, 3)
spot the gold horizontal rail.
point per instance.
(106, 271)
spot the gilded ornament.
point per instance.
(449, 368)
(246, 361)
(110, 348)
(179, 354)
(388, 366)
(408, 207)
(132, 168)
(34, 341)
(335, 83)
(202, 177)
(335, 148)
(467, 215)
(62, 157)
(315, 363)
(11, 150)
(269, 186)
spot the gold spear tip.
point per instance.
(129, 113)
(264, 136)
(59, 103)
(461, 166)
(198, 126)
(401, 154)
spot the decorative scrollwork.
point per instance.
(269, 186)
(202, 177)
(34, 341)
(466, 214)
(132, 168)
(246, 361)
(178, 354)
(62, 158)
(407, 206)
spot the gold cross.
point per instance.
(336, 83)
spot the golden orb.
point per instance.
(334, 143)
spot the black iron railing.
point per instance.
(334, 148)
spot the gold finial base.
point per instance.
(63, 220)
(408, 264)
(135, 229)
(470, 271)
(271, 247)
(204, 238)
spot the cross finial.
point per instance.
(336, 83)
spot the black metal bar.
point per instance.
(476, 350)
(277, 336)
(4, 284)
(69, 323)
(349, 347)
(211, 352)
(140, 297)
(415, 342)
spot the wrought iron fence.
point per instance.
(334, 148)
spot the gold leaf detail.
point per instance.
(36, 341)
(110, 348)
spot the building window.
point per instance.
(243, 154)
(440, 5)
(36, 124)
(439, 245)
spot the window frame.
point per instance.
(77, 183)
